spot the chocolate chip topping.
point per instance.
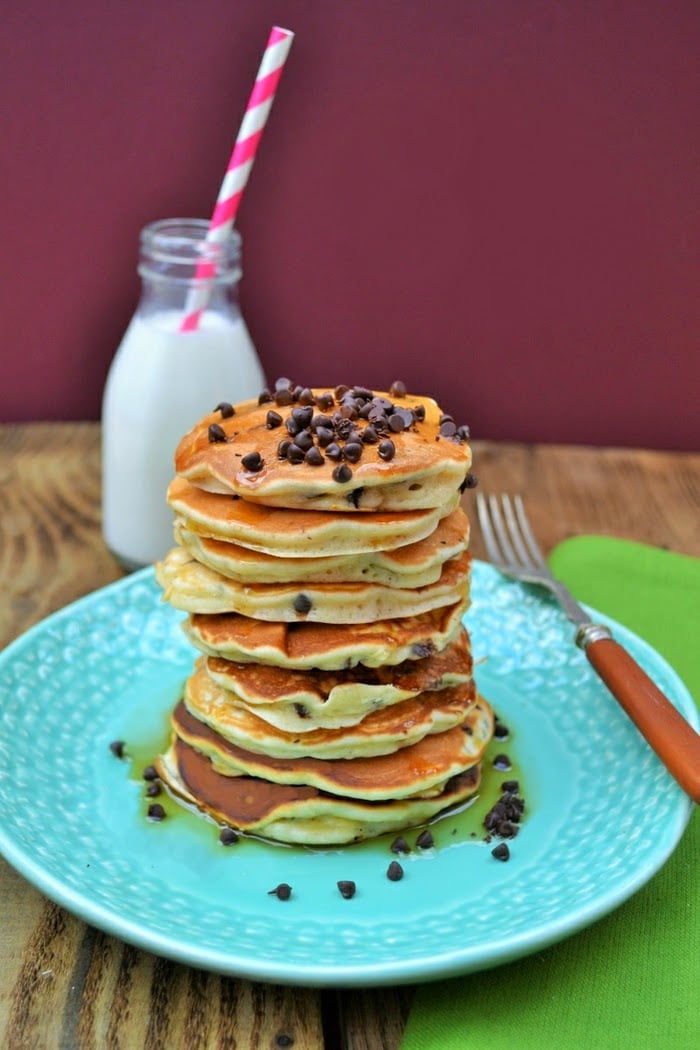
(150, 773)
(227, 410)
(154, 789)
(501, 851)
(273, 419)
(399, 845)
(216, 433)
(228, 837)
(252, 462)
(387, 449)
(425, 840)
(314, 457)
(394, 872)
(347, 888)
(398, 389)
(156, 812)
(342, 473)
(117, 748)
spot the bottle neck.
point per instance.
(175, 257)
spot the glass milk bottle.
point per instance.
(162, 380)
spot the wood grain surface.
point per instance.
(64, 984)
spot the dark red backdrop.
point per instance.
(496, 201)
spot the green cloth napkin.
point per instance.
(632, 980)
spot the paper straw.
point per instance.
(244, 150)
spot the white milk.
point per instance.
(160, 383)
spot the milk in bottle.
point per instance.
(162, 380)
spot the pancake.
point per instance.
(420, 770)
(413, 565)
(325, 646)
(193, 587)
(380, 733)
(298, 814)
(411, 456)
(301, 533)
(299, 701)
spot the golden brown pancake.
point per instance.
(300, 533)
(420, 770)
(413, 565)
(326, 646)
(303, 700)
(192, 587)
(425, 461)
(298, 814)
(381, 732)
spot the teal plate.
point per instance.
(602, 814)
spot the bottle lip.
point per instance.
(183, 242)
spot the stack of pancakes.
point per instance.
(322, 559)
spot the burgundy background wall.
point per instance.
(496, 200)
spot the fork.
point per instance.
(513, 550)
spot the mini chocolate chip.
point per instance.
(227, 410)
(283, 891)
(253, 462)
(501, 851)
(228, 837)
(394, 872)
(293, 426)
(321, 420)
(419, 413)
(304, 440)
(397, 389)
(283, 383)
(303, 415)
(295, 454)
(324, 401)
(362, 392)
(470, 482)
(340, 391)
(306, 396)
(117, 748)
(347, 888)
(500, 731)
(333, 451)
(150, 773)
(302, 711)
(154, 789)
(422, 649)
(156, 811)
(314, 457)
(265, 396)
(302, 603)
(425, 840)
(502, 762)
(387, 449)
(399, 845)
(273, 420)
(463, 432)
(283, 448)
(324, 436)
(348, 410)
(352, 451)
(284, 1040)
(342, 473)
(355, 496)
(448, 428)
(369, 436)
(216, 433)
(396, 423)
(284, 397)
(511, 786)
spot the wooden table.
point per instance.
(63, 984)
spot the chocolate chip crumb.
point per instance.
(355, 496)
(227, 410)
(150, 773)
(301, 710)
(399, 845)
(302, 604)
(216, 433)
(347, 888)
(394, 872)
(228, 837)
(283, 891)
(425, 840)
(117, 748)
(501, 851)
(253, 462)
(156, 812)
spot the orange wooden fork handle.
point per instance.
(672, 738)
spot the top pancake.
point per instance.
(358, 451)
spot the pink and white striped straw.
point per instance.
(244, 150)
